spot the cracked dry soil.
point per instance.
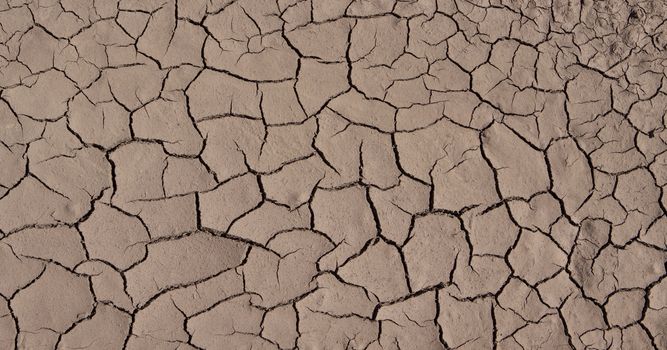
(333, 174)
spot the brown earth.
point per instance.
(333, 174)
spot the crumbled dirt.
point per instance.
(333, 174)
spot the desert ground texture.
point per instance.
(333, 174)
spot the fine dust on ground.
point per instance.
(333, 174)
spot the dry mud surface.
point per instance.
(333, 174)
